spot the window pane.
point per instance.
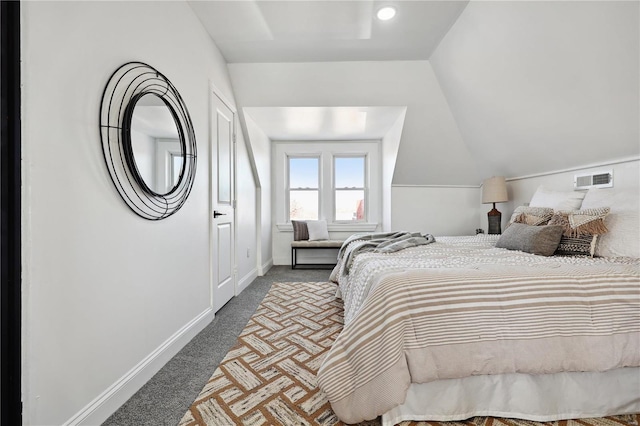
(303, 173)
(349, 205)
(303, 205)
(349, 172)
(176, 163)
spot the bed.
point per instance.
(459, 328)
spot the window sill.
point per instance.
(336, 227)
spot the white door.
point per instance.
(222, 203)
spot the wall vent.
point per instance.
(593, 180)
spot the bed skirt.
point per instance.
(543, 397)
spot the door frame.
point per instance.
(214, 91)
(10, 215)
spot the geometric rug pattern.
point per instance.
(269, 376)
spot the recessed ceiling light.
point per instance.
(386, 13)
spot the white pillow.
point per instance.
(557, 200)
(623, 222)
(317, 230)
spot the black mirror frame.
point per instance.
(123, 90)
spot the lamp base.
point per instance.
(495, 219)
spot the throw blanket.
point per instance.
(447, 310)
(384, 242)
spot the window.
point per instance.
(336, 181)
(349, 188)
(304, 188)
(176, 168)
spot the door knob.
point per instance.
(216, 213)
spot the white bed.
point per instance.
(536, 394)
(542, 398)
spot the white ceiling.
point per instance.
(255, 31)
(325, 31)
(324, 123)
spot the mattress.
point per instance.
(460, 307)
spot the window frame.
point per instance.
(288, 188)
(365, 188)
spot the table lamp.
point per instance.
(494, 190)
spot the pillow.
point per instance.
(531, 215)
(300, 230)
(580, 230)
(623, 238)
(317, 230)
(542, 240)
(557, 200)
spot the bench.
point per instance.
(315, 245)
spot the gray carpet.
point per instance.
(168, 395)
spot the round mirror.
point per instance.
(157, 149)
(148, 141)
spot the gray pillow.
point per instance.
(300, 230)
(542, 240)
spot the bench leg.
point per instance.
(293, 258)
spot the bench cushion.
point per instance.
(317, 244)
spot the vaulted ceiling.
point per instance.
(325, 31)
(490, 88)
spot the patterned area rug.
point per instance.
(268, 377)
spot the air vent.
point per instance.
(593, 180)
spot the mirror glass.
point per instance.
(155, 143)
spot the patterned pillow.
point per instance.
(534, 216)
(581, 230)
(300, 230)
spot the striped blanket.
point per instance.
(461, 307)
(384, 242)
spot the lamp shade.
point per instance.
(494, 190)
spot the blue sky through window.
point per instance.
(349, 172)
(303, 173)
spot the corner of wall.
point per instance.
(245, 281)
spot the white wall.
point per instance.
(164, 148)
(626, 175)
(247, 246)
(431, 149)
(458, 211)
(389, 147)
(436, 210)
(144, 151)
(107, 296)
(259, 147)
(537, 86)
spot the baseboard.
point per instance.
(99, 410)
(246, 280)
(282, 260)
(264, 268)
